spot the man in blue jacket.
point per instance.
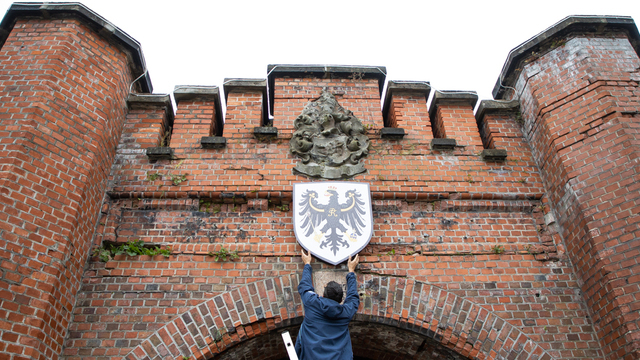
(324, 333)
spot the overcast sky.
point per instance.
(456, 45)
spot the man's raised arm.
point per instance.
(306, 284)
(352, 301)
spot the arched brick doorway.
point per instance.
(371, 341)
(398, 318)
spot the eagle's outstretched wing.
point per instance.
(311, 211)
(352, 213)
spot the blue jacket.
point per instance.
(324, 333)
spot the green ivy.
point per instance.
(131, 248)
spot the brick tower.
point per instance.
(578, 88)
(65, 77)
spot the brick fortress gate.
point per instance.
(508, 233)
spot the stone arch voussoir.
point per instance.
(264, 306)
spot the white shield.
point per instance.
(332, 220)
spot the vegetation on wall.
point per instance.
(131, 248)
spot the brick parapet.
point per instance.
(253, 87)
(198, 114)
(583, 134)
(148, 120)
(452, 117)
(244, 113)
(498, 122)
(405, 107)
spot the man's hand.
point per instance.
(306, 258)
(353, 263)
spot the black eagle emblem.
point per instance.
(336, 215)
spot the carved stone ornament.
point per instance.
(329, 139)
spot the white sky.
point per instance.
(456, 45)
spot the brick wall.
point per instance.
(472, 228)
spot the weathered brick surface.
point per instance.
(62, 92)
(580, 104)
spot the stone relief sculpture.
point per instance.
(329, 139)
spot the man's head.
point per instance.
(333, 291)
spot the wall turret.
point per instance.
(66, 74)
(577, 83)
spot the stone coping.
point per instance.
(451, 97)
(150, 101)
(323, 71)
(575, 23)
(492, 106)
(394, 86)
(245, 84)
(89, 18)
(206, 93)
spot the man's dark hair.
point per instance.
(333, 291)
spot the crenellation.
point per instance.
(405, 107)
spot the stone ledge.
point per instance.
(97, 23)
(245, 84)
(412, 87)
(265, 132)
(324, 71)
(494, 154)
(213, 142)
(149, 101)
(594, 24)
(443, 144)
(188, 92)
(392, 133)
(159, 153)
(452, 97)
(495, 106)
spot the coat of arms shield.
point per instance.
(332, 220)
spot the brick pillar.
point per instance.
(452, 117)
(405, 107)
(580, 104)
(148, 120)
(499, 124)
(198, 115)
(246, 107)
(63, 89)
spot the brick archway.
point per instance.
(265, 306)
